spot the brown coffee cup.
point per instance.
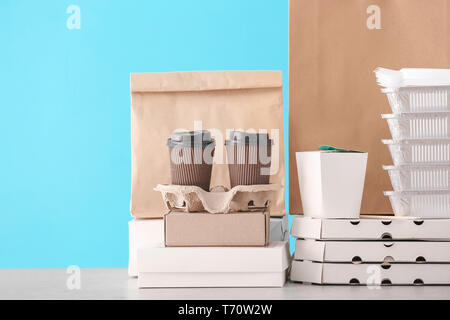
(249, 158)
(191, 158)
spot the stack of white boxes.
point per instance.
(412, 247)
(371, 251)
(159, 266)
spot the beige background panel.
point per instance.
(334, 98)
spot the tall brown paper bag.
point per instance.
(221, 100)
(334, 99)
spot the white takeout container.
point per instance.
(419, 125)
(331, 183)
(419, 99)
(421, 204)
(419, 177)
(420, 151)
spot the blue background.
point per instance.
(65, 99)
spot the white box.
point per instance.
(371, 228)
(213, 266)
(374, 274)
(143, 233)
(331, 183)
(372, 251)
(150, 232)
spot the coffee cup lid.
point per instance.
(248, 139)
(190, 139)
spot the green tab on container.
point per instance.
(330, 148)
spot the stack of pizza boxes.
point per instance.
(335, 245)
(208, 180)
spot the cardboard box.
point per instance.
(209, 230)
(379, 228)
(371, 274)
(214, 267)
(372, 251)
(143, 233)
(331, 183)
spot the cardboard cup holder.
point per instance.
(219, 200)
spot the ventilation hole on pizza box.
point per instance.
(421, 259)
(184, 204)
(386, 265)
(386, 282)
(386, 223)
(386, 236)
(356, 260)
(388, 259)
(251, 203)
(354, 282)
(418, 282)
(355, 222)
(388, 245)
(267, 204)
(418, 222)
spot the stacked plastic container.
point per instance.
(420, 144)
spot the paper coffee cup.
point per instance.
(249, 158)
(191, 158)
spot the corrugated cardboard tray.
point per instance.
(239, 198)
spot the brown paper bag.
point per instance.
(212, 100)
(334, 99)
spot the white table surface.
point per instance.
(115, 284)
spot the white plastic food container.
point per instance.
(419, 125)
(419, 178)
(418, 99)
(421, 204)
(420, 151)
